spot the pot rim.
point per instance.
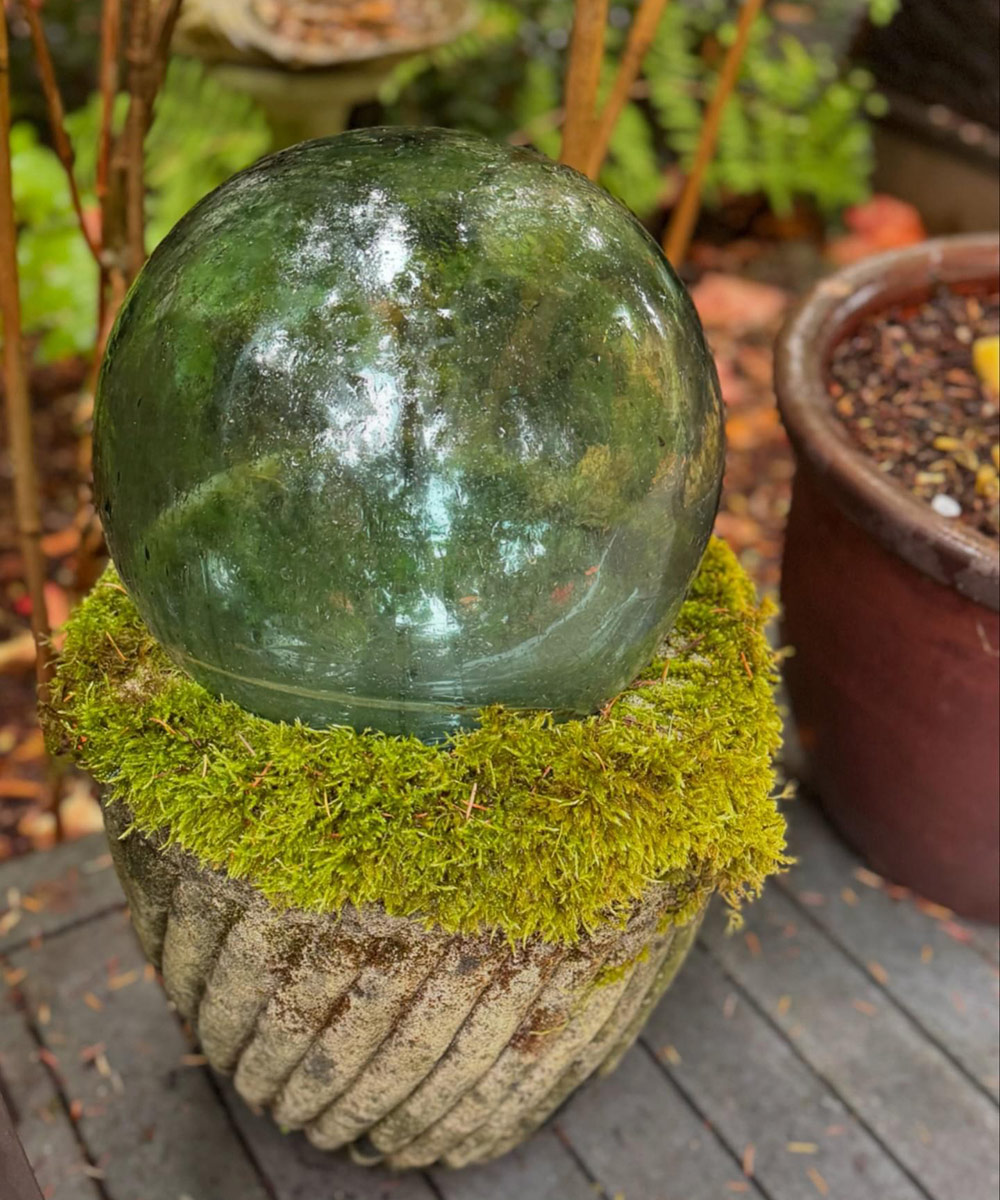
(945, 549)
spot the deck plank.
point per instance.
(640, 1139)
(813, 1049)
(40, 1119)
(540, 1169)
(943, 983)
(941, 1128)
(154, 1126)
(760, 1097)
(42, 893)
(296, 1170)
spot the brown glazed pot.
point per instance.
(892, 612)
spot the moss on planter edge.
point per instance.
(523, 825)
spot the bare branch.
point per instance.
(26, 506)
(134, 135)
(163, 32)
(147, 54)
(56, 114)
(111, 23)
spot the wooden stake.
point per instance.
(26, 505)
(640, 37)
(586, 53)
(682, 221)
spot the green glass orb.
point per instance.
(403, 423)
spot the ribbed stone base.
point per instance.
(408, 1044)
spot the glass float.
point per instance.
(403, 423)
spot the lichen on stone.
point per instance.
(523, 825)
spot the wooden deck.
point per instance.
(843, 1045)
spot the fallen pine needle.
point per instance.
(878, 972)
(117, 649)
(868, 878)
(818, 1182)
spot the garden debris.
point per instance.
(818, 1182)
(737, 304)
(905, 387)
(878, 973)
(741, 318)
(879, 224)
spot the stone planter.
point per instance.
(892, 613)
(307, 66)
(364, 1029)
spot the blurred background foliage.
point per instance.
(201, 135)
(796, 129)
(796, 133)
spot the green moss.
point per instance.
(523, 825)
(609, 975)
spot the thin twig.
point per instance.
(163, 31)
(134, 135)
(111, 22)
(586, 53)
(640, 37)
(147, 55)
(57, 115)
(26, 505)
(682, 221)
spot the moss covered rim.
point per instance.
(525, 826)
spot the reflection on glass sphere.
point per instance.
(402, 423)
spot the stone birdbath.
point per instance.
(429, 716)
(306, 64)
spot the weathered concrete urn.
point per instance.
(409, 1044)
(429, 717)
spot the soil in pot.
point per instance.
(905, 386)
